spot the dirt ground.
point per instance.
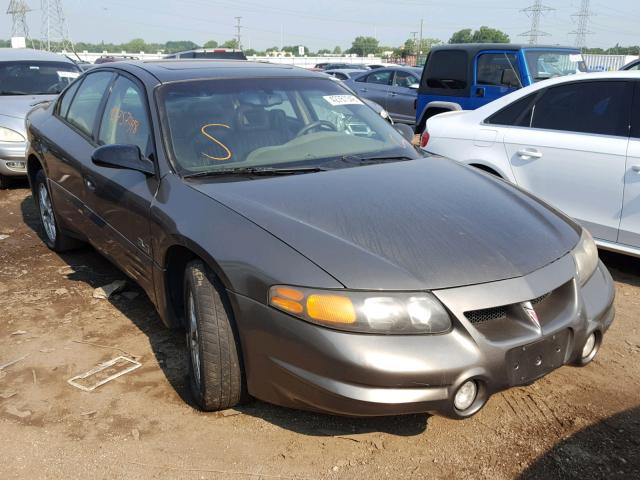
(574, 423)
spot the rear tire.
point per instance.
(5, 182)
(55, 239)
(215, 373)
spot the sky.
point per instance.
(321, 24)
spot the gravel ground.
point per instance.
(574, 423)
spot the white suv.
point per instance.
(572, 141)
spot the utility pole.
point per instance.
(55, 33)
(238, 28)
(535, 11)
(582, 30)
(18, 10)
(415, 45)
(420, 42)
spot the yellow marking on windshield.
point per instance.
(215, 140)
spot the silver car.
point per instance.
(27, 78)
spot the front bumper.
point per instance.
(292, 363)
(13, 159)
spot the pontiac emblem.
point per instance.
(531, 313)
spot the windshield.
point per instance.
(553, 63)
(35, 78)
(272, 122)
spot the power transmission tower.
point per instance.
(55, 33)
(582, 30)
(535, 11)
(18, 10)
(238, 28)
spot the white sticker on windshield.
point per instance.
(337, 100)
(575, 57)
(63, 74)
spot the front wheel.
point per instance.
(216, 377)
(55, 239)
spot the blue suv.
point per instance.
(467, 76)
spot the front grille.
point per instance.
(486, 315)
(497, 313)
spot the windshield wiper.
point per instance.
(255, 171)
(376, 159)
(13, 92)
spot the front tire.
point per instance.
(55, 239)
(215, 373)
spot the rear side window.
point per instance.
(65, 101)
(380, 78)
(84, 107)
(586, 107)
(447, 70)
(125, 119)
(517, 114)
(491, 68)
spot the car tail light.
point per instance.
(424, 139)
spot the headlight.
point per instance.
(364, 312)
(585, 255)
(8, 135)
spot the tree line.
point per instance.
(361, 45)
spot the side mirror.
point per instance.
(510, 78)
(127, 157)
(414, 86)
(405, 130)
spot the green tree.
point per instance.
(364, 46)
(135, 45)
(231, 44)
(323, 51)
(490, 35)
(337, 50)
(210, 44)
(462, 36)
(174, 46)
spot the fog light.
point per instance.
(465, 395)
(16, 165)
(589, 345)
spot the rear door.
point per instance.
(630, 221)
(375, 85)
(493, 76)
(121, 199)
(401, 99)
(574, 154)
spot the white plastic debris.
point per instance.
(103, 373)
(106, 291)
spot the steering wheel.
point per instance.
(319, 124)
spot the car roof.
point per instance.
(173, 70)
(27, 54)
(474, 48)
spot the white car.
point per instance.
(572, 141)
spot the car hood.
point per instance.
(423, 224)
(17, 106)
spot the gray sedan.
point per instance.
(27, 78)
(394, 88)
(313, 256)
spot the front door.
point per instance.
(574, 155)
(401, 99)
(630, 221)
(120, 199)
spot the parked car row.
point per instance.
(314, 257)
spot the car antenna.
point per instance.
(513, 68)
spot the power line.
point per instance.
(534, 12)
(582, 30)
(55, 33)
(18, 10)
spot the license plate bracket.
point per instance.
(530, 362)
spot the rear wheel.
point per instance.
(4, 182)
(55, 239)
(216, 377)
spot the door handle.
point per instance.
(529, 153)
(393, 94)
(480, 91)
(635, 168)
(89, 183)
(363, 90)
